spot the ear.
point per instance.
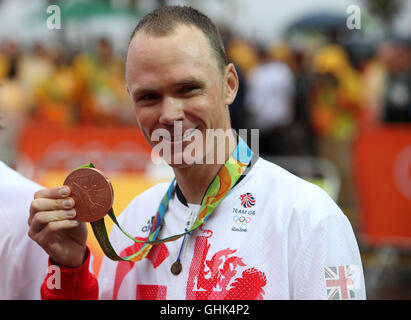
(230, 84)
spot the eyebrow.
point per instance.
(186, 81)
(141, 92)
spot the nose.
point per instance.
(172, 110)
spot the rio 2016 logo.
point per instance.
(240, 220)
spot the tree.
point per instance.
(385, 11)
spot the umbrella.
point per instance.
(83, 20)
(86, 9)
(319, 21)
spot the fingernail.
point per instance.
(67, 203)
(64, 191)
(74, 222)
(71, 213)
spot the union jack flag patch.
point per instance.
(339, 283)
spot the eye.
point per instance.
(149, 97)
(189, 89)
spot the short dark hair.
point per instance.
(162, 22)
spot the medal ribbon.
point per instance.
(226, 178)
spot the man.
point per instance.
(22, 262)
(271, 236)
(269, 100)
(397, 96)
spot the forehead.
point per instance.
(186, 49)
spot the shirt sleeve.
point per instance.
(70, 283)
(327, 264)
(7, 262)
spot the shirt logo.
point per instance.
(241, 220)
(242, 215)
(148, 225)
(247, 200)
(339, 282)
(222, 274)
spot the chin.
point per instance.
(178, 162)
(180, 166)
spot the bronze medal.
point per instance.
(176, 267)
(92, 193)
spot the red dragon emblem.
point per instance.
(216, 278)
(210, 279)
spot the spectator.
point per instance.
(269, 100)
(100, 86)
(336, 96)
(397, 98)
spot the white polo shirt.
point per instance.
(23, 263)
(274, 236)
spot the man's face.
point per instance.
(177, 78)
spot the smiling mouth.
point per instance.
(187, 135)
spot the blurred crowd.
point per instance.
(310, 101)
(315, 100)
(47, 85)
(299, 98)
(321, 92)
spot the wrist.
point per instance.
(84, 256)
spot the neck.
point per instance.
(194, 180)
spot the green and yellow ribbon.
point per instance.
(224, 181)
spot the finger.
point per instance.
(43, 237)
(56, 226)
(38, 205)
(41, 219)
(53, 193)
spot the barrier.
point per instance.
(382, 172)
(43, 145)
